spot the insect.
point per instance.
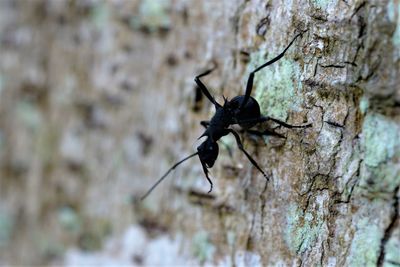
(243, 110)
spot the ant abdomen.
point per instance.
(250, 111)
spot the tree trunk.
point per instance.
(98, 101)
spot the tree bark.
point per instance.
(98, 101)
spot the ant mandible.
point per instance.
(243, 110)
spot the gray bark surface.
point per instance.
(97, 101)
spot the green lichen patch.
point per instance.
(277, 86)
(380, 143)
(393, 11)
(364, 104)
(202, 248)
(303, 228)
(6, 227)
(392, 248)
(100, 14)
(364, 250)
(231, 238)
(153, 16)
(29, 115)
(69, 220)
(323, 4)
(380, 139)
(383, 179)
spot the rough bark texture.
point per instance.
(98, 100)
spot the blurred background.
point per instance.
(97, 101)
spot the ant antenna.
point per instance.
(165, 175)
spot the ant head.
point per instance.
(208, 152)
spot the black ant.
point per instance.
(243, 110)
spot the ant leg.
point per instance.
(205, 124)
(206, 173)
(266, 132)
(165, 175)
(281, 123)
(284, 124)
(249, 85)
(204, 89)
(240, 145)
